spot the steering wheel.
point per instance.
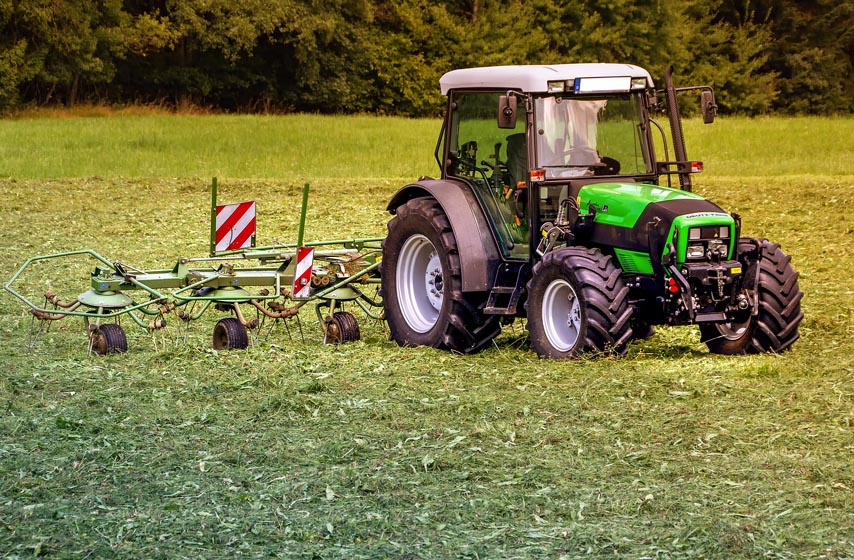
(609, 166)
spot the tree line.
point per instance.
(385, 57)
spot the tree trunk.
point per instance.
(72, 92)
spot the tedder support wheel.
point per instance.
(422, 288)
(578, 302)
(108, 339)
(230, 334)
(342, 328)
(775, 327)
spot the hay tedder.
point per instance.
(255, 285)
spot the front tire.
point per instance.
(775, 327)
(422, 284)
(577, 303)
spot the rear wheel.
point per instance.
(108, 339)
(775, 327)
(422, 285)
(578, 302)
(230, 334)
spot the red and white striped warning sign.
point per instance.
(235, 226)
(302, 276)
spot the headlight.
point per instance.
(708, 232)
(696, 251)
(717, 249)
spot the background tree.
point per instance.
(813, 55)
(386, 57)
(47, 48)
(730, 54)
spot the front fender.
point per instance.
(479, 255)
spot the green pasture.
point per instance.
(292, 449)
(292, 147)
(312, 147)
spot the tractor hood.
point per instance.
(621, 204)
(643, 218)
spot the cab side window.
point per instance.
(494, 161)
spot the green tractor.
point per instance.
(549, 207)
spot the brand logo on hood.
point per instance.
(705, 215)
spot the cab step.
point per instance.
(504, 298)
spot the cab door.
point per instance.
(494, 161)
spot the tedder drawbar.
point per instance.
(284, 278)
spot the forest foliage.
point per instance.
(378, 56)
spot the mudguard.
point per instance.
(479, 254)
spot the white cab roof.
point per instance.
(534, 78)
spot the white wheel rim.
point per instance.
(420, 283)
(733, 331)
(561, 315)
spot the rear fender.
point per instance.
(479, 254)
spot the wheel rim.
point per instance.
(99, 343)
(420, 283)
(561, 315)
(333, 332)
(734, 331)
(220, 337)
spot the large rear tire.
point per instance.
(422, 284)
(775, 327)
(577, 303)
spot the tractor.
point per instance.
(550, 206)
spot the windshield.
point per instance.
(578, 137)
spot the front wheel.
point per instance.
(422, 286)
(775, 327)
(578, 302)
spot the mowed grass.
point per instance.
(293, 449)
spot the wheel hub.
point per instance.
(420, 283)
(435, 286)
(561, 315)
(573, 320)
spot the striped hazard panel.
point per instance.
(235, 226)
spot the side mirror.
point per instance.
(708, 106)
(507, 111)
(652, 103)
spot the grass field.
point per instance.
(299, 450)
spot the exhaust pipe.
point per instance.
(676, 128)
